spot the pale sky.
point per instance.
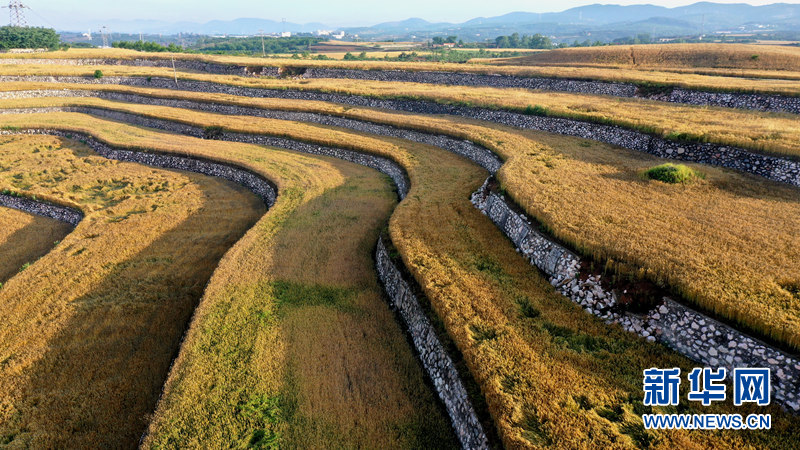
(63, 13)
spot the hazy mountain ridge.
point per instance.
(588, 20)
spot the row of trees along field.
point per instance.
(28, 37)
(253, 44)
(516, 41)
(147, 46)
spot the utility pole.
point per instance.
(174, 72)
(263, 51)
(703, 27)
(16, 13)
(104, 34)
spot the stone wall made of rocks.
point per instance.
(435, 360)
(437, 363)
(256, 183)
(60, 213)
(759, 102)
(687, 331)
(384, 165)
(179, 64)
(771, 167)
(478, 154)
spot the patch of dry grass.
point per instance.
(89, 330)
(24, 238)
(547, 377)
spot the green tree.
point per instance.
(28, 37)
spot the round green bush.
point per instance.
(671, 173)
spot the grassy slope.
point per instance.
(776, 80)
(763, 132)
(309, 351)
(706, 220)
(549, 378)
(112, 299)
(25, 237)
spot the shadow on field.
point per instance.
(102, 375)
(32, 249)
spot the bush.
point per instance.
(98, 74)
(536, 110)
(671, 173)
(213, 132)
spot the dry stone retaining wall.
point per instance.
(770, 167)
(434, 358)
(259, 185)
(760, 102)
(61, 213)
(689, 332)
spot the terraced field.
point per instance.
(291, 344)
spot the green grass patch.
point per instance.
(672, 173)
(292, 294)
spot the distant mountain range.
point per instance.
(595, 21)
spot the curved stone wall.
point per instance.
(434, 358)
(689, 332)
(759, 102)
(256, 183)
(61, 213)
(384, 165)
(437, 364)
(478, 154)
(181, 64)
(770, 167)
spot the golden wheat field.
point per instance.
(694, 56)
(182, 313)
(775, 133)
(760, 76)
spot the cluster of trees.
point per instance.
(28, 37)
(516, 41)
(638, 39)
(253, 44)
(446, 55)
(147, 46)
(439, 40)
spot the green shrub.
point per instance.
(213, 132)
(536, 110)
(672, 173)
(98, 74)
